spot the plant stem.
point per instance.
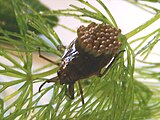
(143, 26)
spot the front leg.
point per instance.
(71, 90)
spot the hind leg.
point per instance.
(99, 74)
(45, 58)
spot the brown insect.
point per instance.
(96, 47)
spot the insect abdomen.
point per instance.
(85, 66)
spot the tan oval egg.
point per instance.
(98, 39)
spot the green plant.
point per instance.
(118, 96)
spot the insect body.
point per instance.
(97, 46)
(78, 66)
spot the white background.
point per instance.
(126, 15)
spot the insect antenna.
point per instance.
(55, 79)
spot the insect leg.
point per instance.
(39, 51)
(81, 92)
(71, 89)
(112, 61)
(55, 79)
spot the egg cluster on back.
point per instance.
(98, 39)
